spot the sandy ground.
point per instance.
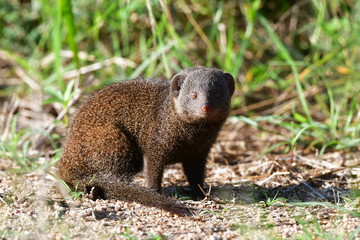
(240, 181)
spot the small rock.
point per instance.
(215, 237)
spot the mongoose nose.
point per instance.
(206, 108)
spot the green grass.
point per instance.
(313, 230)
(17, 145)
(314, 61)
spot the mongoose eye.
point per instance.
(194, 95)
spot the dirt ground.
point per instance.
(251, 196)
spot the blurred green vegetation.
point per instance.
(296, 63)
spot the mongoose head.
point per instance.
(202, 94)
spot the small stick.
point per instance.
(207, 195)
(314, 191)
(2, 200)
(9, 118)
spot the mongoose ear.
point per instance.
(176, 83)
(231, 83)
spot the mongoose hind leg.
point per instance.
(104, 152)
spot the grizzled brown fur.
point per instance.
(145, 125)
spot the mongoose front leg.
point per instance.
(195, 174)
(153, 172)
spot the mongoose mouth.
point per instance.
(200, 116)
(211, 115)
(208, 111)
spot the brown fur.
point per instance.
(145, 125)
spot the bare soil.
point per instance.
(241, 183)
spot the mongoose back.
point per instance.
(140, 124)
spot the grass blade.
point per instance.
(71, 30)
(56, 42)
(324, 204)
(286, 56)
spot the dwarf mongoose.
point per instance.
(145, 125)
